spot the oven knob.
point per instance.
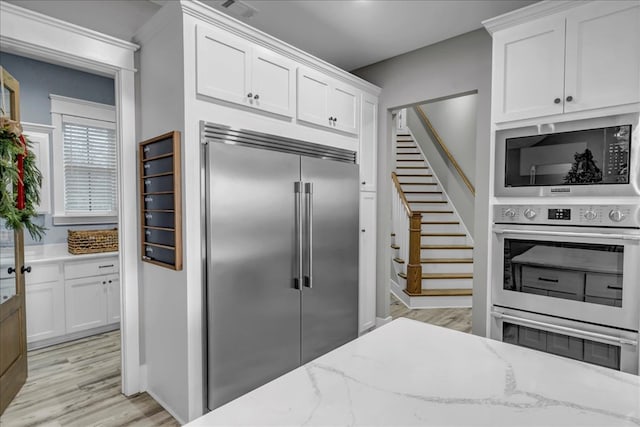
(510, 213)
(590, 215)
(529, 213)
(615, 215)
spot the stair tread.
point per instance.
(429, 201)
(439, 260)
(422, 192)
(411, 167)
(407, 160)
(418, 183)
(440, 222)
(442, 275)
(399, 175)
(444, 234)
(434, 212)
(446, 247)
(395, 247)
(446, 261)
(441, 293)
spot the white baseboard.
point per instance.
(143, 377)
(380, 321)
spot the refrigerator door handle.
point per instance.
(308, 277)
(297, 188)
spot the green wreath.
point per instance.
(16, 219)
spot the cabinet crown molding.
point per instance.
(238, 28)
(529, 13)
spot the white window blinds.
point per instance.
(89, 166)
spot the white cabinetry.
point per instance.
(44, 298)
(92, 295)
(368, 143)
(367, 281)
(581, 59)
(234, 70)
(326, 102)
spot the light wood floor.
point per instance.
(452, 318)
(78, 384)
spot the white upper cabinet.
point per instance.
(603, 56)
(234, 70)
(368, 143)
(325, 102)
(585, 58)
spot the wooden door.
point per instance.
(13, 325)
(529, 70)
(602, 60)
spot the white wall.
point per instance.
(455, 66)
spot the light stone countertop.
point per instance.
(411, 373)
(40, 254)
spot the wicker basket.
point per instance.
(92, 241)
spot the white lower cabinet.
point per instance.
(86, 303)
(367, 281)
(64, 298)
(44, 300)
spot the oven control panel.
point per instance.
(627, 216)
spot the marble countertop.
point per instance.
(38, 254)
(411, 373)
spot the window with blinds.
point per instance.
(89, 156)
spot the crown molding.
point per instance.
(211, 16)
(8, 9)
(529, 13)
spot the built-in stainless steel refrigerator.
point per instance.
(281, 256)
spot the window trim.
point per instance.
(61, 107)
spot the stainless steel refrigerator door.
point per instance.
(253, 305)
(330, 305)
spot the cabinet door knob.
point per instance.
(109, 281)
(364, 182)
(362, 230)
(569, 98)
(256, 96)
(335, 119)
(103, 282)
(557, 101)
(11, 270)
(24, 269)
(249, 95)
(330, 119)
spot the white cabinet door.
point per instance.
(86, 303)
(367, 281)
(368, 152)
(272, 82)
(222, 69)
(313, 98)
(113, 299)
(344, 108)
(529, 70)
(602, 58)
(45, 310)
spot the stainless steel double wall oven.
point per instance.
(566, 267)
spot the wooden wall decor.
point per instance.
(161, 200)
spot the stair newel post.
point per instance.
(414, 268)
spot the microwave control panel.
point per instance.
(627, 216)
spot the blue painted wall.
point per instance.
(38, 80)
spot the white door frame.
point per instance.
(34, 35)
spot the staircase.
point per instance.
(445, 247)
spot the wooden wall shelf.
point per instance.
(161, 200)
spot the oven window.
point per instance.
(594, 352)
(595, 156)
(576, 271)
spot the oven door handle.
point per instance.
(608, 339)
(566, 234)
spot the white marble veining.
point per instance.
(411, 373)
(37, 254)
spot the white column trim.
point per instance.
(41, 37)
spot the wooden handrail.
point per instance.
(405, 203)
(414, 267)
(452, 159)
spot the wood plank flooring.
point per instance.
(452, 318)
(78, 384)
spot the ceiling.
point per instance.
(347, 33)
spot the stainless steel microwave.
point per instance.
(595, 157)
